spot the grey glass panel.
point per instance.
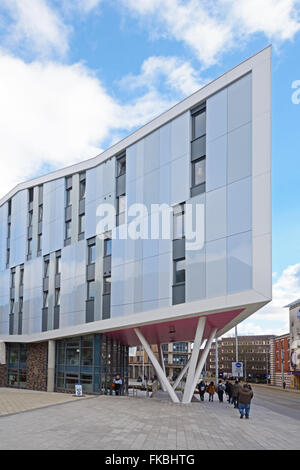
(106, 265)
(81, 206)
(46, 284)
(179, 271)
(198, 148)
(179, 294)
(106, 306)
(68, 213)
(56, 317)
(198, 172)
(45, 319)
(199, 124)
(89, 311)
(121, 185)
(90, 272)
(179, 249)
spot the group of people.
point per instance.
(238, 395)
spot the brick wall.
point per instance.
(2, 375)
(37, 366)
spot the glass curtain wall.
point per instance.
(93, 361)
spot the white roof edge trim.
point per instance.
(183, 106)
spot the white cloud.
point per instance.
(84, 6)
(274, 318)
(35, 26)
(212, 28)
(277, 19)
(56, 115)
(177, 74)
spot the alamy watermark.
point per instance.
(161, 222)
(296, 94)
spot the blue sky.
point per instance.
(78, 75)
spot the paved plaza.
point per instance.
(126, 423)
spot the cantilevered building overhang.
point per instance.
(212, 150)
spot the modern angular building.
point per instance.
(164, 237)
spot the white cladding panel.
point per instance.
(18, 234)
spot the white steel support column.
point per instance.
(201, 363)
(162, 363)
(194, 359)
(160, 373)
(183, 371)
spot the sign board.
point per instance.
(78, 390)
(237, 369)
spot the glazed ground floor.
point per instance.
(137, 370)
(92, 360)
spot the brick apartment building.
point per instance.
(253, 352)
(280, 360)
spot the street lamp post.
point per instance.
(217, 362)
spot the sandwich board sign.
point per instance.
(78, 390)
(237, 369)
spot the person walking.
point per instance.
(202, 390)
(211, 390)
(117, 384)
(229, 391)
(245, 395)
(221, 390)
(235, 391)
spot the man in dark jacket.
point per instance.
(202, 390)
(228, 391)
(244, 397)
(235, 391)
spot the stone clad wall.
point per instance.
(37, 366)
(2, 375)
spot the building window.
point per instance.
(92, 254)
(199, 124)
(58, 263)
(106, 285)
(22, 275)
(107, 246)
(198, 150)
(179, 271)
(121, 209)
(68, 230)
(121, 166)
(91, 290)
(57, 297)
(29, 247)
(81, 227)
(40, 218)
(30, 195)
(46, 267)
(198, 172)
(68, 190)
(45, 300)
(39, 243)
(30, 217)
(82, 189)
(178, 221)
